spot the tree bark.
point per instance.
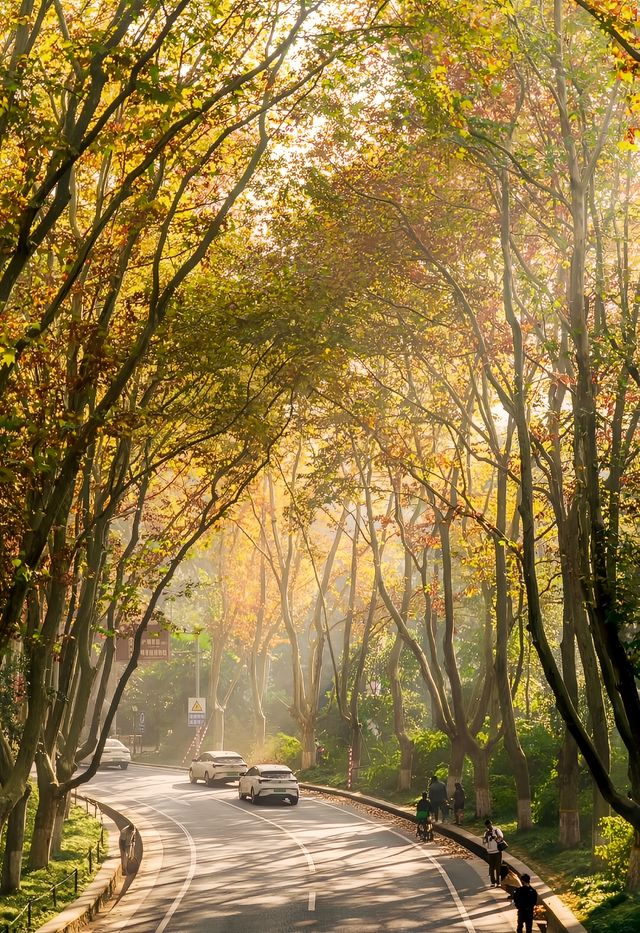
(399, 725)
(480, 760)
(308, 743)
(40, 851)
(14, 845)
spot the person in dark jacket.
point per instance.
(459, 799)
(437, 798)
(525, 899)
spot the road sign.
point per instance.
(154, 645)
(196, 711)
(141, 723)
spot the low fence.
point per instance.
(24, 920)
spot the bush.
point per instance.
(616, 852)
(430, 756)
(381, 777)
(283, 749)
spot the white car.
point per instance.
(114, 754)
(269, 782)
(217, 766)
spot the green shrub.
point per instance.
(283, 749)
(430, 756)
(616, 852)
(382, 776)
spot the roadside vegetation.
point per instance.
(82, 831)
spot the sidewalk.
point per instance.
(560, 918)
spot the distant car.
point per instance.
(269, 782)
(217, 766)
(114, 754)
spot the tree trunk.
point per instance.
(569, 826)
(62, 809)
(308, 743)
(40, 852)
(634, 863)
(456, 762)
(504, 618)
(480, 760)
(600, 809)
(14, 845)
(399, 727)
(356, 747)
(217, 722)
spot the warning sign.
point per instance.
(196, 711)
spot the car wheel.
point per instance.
(192, 778)
(124, 765)
(240, 794)
(206, 779)
(253, 797)
(293, 801)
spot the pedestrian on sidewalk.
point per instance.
(437, 798)
(525, 900)
(493, 835)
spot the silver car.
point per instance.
(269, 782)
(217, 766)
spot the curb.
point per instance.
(86, 907)
(560, 918)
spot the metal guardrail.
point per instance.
(26, 914)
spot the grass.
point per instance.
(82, 832)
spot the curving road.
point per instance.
(215, 864)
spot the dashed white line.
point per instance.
(312, 900)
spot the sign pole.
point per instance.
(197, 663)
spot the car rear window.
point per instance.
(276, 774)
(228, 761)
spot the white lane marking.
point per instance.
(447, 880)
(312, 900)
(192, 865)
(256, 816)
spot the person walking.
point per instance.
(437, 798)
(459, 799)
(525, 900)
(491, 839)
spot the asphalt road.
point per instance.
(215, 864)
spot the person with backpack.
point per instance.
(493, 841)
(525, 900)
